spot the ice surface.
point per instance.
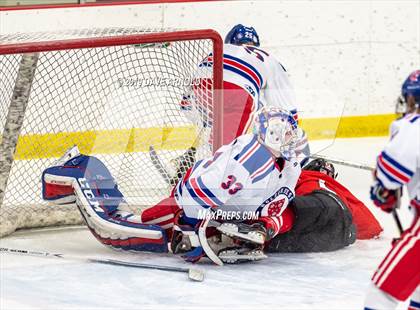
(335, 280)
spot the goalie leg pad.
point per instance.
(98, 199)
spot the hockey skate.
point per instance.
(250, 233)
(236, 255)
(233, 250)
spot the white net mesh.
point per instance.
(113, 102)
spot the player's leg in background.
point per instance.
(377, 299)
(398, 275)
(237, 111)
(415, 300)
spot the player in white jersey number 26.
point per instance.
(252, 79)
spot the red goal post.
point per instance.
(72, 71)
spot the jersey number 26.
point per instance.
(256, 52)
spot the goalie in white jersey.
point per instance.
(398, 275)
(252, 178)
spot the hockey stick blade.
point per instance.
(194, 274)
(158, 165)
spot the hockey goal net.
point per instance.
(114, 93)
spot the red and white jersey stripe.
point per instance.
(399, 163)
(398, 274)
(260, 74)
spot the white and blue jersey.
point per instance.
(241, 176)
(259, 73)
(395, 125)
(399, 162)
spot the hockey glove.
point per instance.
(278, 224)
(382, 197)
(190, 239)
(185, 239)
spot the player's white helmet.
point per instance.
(277, 130)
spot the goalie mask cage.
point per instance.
(113, 93)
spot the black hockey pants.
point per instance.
(323, 223)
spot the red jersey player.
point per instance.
(326, 216)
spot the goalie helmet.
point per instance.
(277, 130)
(241, 34)
(410, 87)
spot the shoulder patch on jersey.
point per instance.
(275, 207)
(207, 62)
(282, 191)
